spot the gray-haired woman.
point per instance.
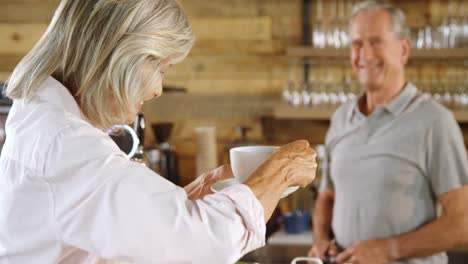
(69, 195)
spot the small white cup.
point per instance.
(316, 260)
(245, 160)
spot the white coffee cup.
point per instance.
(245, 160)
(315, 260)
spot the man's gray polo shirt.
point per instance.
(388, 168)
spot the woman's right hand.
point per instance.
(293, 163)
(323, 249)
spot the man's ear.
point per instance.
(406, 50)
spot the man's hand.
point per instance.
(323, 249)
(368, 252)
(202, 185)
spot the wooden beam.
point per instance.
(230, 66)
(19, 38)
(433, 54)
(26, 12)
(284, 111)
(248, 28)
(237, 8)
(211, 46)
(229, 86)
(9, 62)
(4, 76)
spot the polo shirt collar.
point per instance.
(396, 106)
(400, 103)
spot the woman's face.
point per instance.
(156, 87)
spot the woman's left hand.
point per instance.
(201, 186)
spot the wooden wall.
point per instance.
(234, 74)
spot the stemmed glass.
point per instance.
(453, 25)
(436, 89)
(461, 22)
(343, 25)
(330, 30)
(318, 34)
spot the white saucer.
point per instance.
(230, 182)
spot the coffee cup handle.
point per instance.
(316, 260)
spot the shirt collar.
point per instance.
(396, 106)
(54, 92)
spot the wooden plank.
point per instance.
(305, 51)
(246, 86)
(288, 28)
(4, 76)
(438, 10)
(227, 107)
(246, 28)
(9, 62)
(24, 12)
(29, 1)
(211, 46)
(19, 38)
(281, 131)
(415, 11)
(284, 111)
(229, 66)
(436, 54)
(236, 8)
(461, 115)
(442, 54)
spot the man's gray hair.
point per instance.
(398, 17)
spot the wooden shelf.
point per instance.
(285, 111)
(309, 52)
(436, 54)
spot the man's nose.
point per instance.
(366, 53)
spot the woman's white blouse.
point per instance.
(69, 195)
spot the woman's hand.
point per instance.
(292, 165)
(201, 186)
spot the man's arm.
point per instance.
(442, 234)
(323, 215)
(322, 225)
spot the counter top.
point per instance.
(276, 254)
(284, 254)
(282, 238)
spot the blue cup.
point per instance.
(296, 222)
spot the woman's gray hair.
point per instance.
(108, 53)
(398, 17)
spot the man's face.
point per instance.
(378, 56)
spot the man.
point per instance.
(391, 155)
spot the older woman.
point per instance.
(69, 195)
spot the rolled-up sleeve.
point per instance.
(121, 210)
